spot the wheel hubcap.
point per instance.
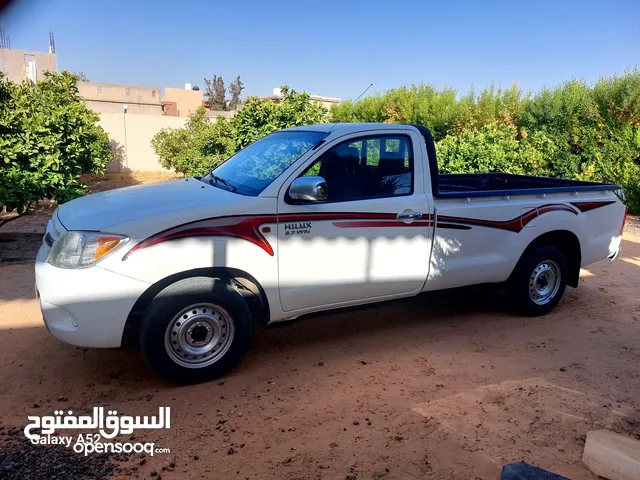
(199, 335)
(544, 282)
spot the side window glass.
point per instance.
(373, 152)
(371, 167)
(312, 171)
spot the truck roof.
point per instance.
(348, 127)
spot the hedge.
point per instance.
(575, 131)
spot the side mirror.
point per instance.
(308, 189)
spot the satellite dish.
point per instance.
(196, 88)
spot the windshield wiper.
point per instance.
(222, 180)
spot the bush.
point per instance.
(574, 131)
(48, 138)
(491, 148)
(261, 117)
(197, 147)
(203, 144)
(617, 160)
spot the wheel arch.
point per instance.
(255, 296)
(565, 241)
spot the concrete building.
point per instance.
(181, 102)
(18, 65)
(108, 98)
(221, 113)
(170, 109)
(326, 102)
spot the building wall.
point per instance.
(13, 63)
(170, 108)
(187, 101)
(118, 107)
(130, 138)
(109, 98)
(213, 114)
(326, 102)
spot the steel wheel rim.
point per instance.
(544, 282)
(199, 335)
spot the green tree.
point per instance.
(215, 92)
(202, 144)
(369, 109)
(196, 148)
(574, 131)
(48, 137)
(490, 148)
(261, 117)
(81, 76)
(235, 90)
(618, 100)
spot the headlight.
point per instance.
(83, 249)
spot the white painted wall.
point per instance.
(131, 135)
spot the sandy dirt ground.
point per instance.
(444, 385)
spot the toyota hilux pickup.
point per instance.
(304, 220)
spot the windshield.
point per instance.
(253, 169)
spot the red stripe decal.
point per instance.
(379, 223)
(515, 224)
(586, 206)
(452, 226)
(423, 222)
(246, 226)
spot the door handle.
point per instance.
(408, 215)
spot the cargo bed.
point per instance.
(465, 185)
(491, 184)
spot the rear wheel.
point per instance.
(538, 281)
(195, 330)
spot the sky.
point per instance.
(333, 48)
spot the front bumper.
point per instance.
(86, 307)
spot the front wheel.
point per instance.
(538, 281)
(195, 330)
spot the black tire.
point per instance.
(521, 287)
(156, 341)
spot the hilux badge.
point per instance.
(301, 228)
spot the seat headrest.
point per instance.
(343, 159)
(352, 159)
(391, 165)
(334, 164)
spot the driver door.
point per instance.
(370, 239)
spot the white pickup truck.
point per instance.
(307, 219)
